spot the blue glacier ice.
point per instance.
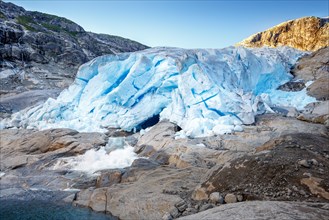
(204, 91)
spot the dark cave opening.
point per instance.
(149, 122)
(153, 121)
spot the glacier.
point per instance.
(204, 91)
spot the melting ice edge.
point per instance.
(204, 91)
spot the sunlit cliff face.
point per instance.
(308, 34)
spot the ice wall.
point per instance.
(204, 91)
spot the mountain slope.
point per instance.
(42, 51)
(308, 34)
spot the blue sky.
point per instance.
(186, 24)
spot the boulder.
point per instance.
(215, 198)
(230, 198)
(320, 88)
(108, 178)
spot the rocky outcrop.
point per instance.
(28, 159)
(260, 210)
(317, 112)
(172, 177)
(159, 142)
(21, 147)
(314, 67)
(175, 167)
(42, 51)
(290, 167)
(152, 195)
(308, 34)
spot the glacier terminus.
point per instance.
(204, 91)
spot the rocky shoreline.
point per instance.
(277, 159)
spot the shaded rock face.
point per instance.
(314, 67)
(17, 102)
(42, 51)
(308, 34)
(292, 86)
(319, 89)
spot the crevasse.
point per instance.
(204, 91)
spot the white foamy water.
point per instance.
(95, 160)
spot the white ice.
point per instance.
(204, 91)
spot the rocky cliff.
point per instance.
(308, 34)
(39, 51)
(315, 67)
